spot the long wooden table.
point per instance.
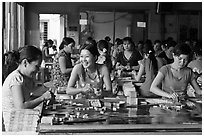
(144, 118)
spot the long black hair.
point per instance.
(149, 50)
(66, 41)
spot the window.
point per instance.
(13, 29)
(43, 31)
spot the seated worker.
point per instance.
(19, 85)
(196, 66)
(158, 50)
(11, 63)
(89, 79)
(149, 66)
(62, 64)
(104, 57)
(176, 76)
(116, 49)
(130, 57)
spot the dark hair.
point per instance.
(48, 42)
(182, 48)
(92, 48)
(117, 39)
(119, 42)
(148, 41)
(89, 39)
(131, 42)
(54, 47)
(141, 42)
(198, 52)
(31, 53)
(148, 49)
(66, 41)
(107, 38)
(171, 44)
(102, 44)
(157, 41)
(12, 56)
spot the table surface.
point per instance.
(115, 116)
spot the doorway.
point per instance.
(51, 27)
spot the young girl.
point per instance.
(93, 79)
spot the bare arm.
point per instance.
(20, 103)
(141, 71)
(62, 64)
(196, 87)
(71, 87)
(106, 78)
(138, 66)
(160, 63)
(155, 86)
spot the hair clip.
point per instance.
(104, 50)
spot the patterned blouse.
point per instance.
(15, 79)
(59, 79)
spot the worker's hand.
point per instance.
(97, 92)
(87, 88)
(47, 95)
(134, 74)
(174, 97)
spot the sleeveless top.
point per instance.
(96, 83)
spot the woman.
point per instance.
(11, 63)
(104, 57)
(117, 48)
(169, 57)
(130, 57)
(62, 64)
(149, 66)
(46, 57)
(196, 66)
(19, 85)
(175, 77)
(93, 79)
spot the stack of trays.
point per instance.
(21, 120)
